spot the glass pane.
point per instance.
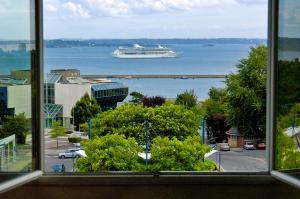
(173, 95)
(287, 150)
(16, 46)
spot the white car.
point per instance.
(72, 153)
(249, 146)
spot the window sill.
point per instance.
(163, 178)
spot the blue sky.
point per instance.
(141, 19)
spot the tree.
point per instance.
(129, 119)
(188, 99)
(217, 127)
(136, 97)
(153, 101)
(175, 155)
(216, 103)
(17, 125)
(246, 94)
(57, 131)
(85, 109)
(110, 153)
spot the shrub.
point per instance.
(74, 139)
(175, 155)
(109, 153)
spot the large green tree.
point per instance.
(18, 125)
(246, 93)
(110, 153)
(85, 109)
(130, 120)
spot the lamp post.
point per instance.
(147, 128)
(202, 129)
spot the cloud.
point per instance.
(76, 9)
(117, 8)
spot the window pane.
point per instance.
(16, 46)
(287, 148)
(170, 100)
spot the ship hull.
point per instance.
(144, 56)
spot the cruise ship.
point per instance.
(138, 51)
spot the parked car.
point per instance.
(224, 147)
(58, 168)
(72, 153)
(261, 145)
(249, 146)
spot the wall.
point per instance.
(69, 94)
(19, 97)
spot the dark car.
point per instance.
(261, 145)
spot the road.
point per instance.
(243, 161)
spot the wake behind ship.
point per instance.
(138, 51)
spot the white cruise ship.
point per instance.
(138, 51)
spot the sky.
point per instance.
(86, 19)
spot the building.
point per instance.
(235, 138)
(64, 87)
(15, 94)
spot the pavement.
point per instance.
(240, 160)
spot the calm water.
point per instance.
(193, 59)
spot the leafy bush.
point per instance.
(17, 125)
(109, 153)
(188, 99)
(175, 155)
(129, 119)
(74, 139)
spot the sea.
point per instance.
(193, 58)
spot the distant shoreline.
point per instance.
(65, 43)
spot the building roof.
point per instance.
(107, 86)
(52, 78)
(234, 131)
(76, 80)
(9, 81)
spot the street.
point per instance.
(240, 161)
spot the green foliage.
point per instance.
(85, 109)
(109, 153)
(74, 139)
(216, 103)
(57, 131)
(288, 84)
(287, 155)
(247, 93)
(292, 118)
(129, 119)
(136, 97)
(188, 99)
(175, 155)
(17, 125)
